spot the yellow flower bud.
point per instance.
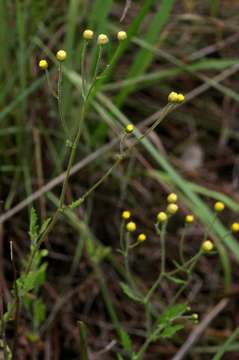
(129, 128)
(235, 227)
(131, 226)
(126, 214)
(180, 98)
(88, 34)
(61, 55)
(162, 217)
(142, 237)
(189, 219)
(173, 97)
(172, 209)
(172, 198)
(219, 206)
(122, 35)
(207, 246)
(103, 39)
(43, 64)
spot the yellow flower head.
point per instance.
(122, 35)
(235, 227)
(172, 209)
(129, 128)
(162, 217)
(103, 39)
(176, 98)
(142, 237)
(43, 64)
(181, 98)
(172, 198)
(126, 214)
(207, 246)
(88, 34)
(219, 206)
(131, 226)
(61, 55)
(189, 219)
(173, 97)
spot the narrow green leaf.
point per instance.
(171, 330)
(33, 231)
(129, 292)
(126, 341)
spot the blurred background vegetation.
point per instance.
(189, 46)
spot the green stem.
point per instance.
(59, 99)
(181, 245)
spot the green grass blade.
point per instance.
(230, 203)
(226, 345)
(143, 81)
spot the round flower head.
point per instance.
(172, 198)
(189, 219)
(173, 97)
(207, 246)
(126, 214)
(103, 39)
(129, 128)
(131, 226)
(43, 64)
(122, 35)
(219, 206)
(61, 55)
(180, 98)
(172, 209)
(162, 217)
(88, 34)
(195, 316)
(235, 227)
(176, 98)
(142, 237)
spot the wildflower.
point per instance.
(88, 34)
(173, 97)
(131, 226)
(172, 209)
(126, 214)
(43, 64)
(129, 128)
(61, 55)
(176, 98)
(103, 39)
(219, 206)
(122, 35)
(142, 237)
(207, 246)
(172, 198)
(235, 227)
(162, 217)
(189, 219)
(181, 98)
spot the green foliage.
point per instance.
(126, 341)
(33, 231)
(129, 292)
